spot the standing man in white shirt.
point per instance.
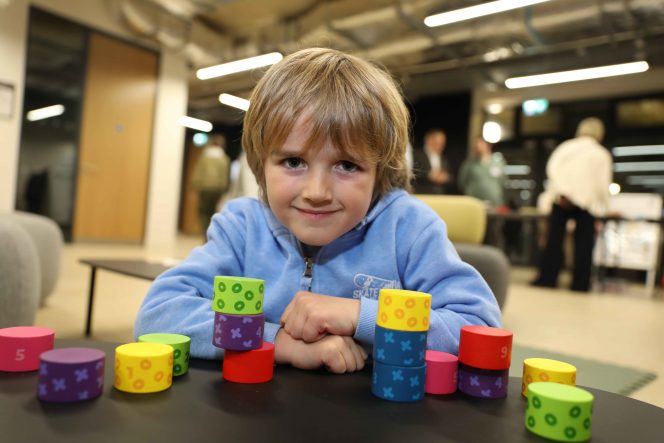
(431, 169)
(579, 174)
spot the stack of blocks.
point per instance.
(400, 342)
(150, 364)
(485, 355)
(556, 408)
(238, 329)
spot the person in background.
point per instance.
(579, 173)
(325, 136)
(211, 178)
(431, 169)
(243, 183)
(482, 175)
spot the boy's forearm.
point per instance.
(336, 353)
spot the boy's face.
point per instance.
(318, 194)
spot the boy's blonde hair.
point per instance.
(344, 99)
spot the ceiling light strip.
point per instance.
(495, 7)
(235, 102)
(239, 66)
(627, 151)
(645, 180)
(47, 112)
(195, 123)
(576, 75)
(638, 166)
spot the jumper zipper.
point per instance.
(309, 267)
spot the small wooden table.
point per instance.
(133, 268)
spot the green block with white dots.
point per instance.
(238, 295)
(559, 412)
(180, 345)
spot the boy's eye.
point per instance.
(347, 166)
(292, 162)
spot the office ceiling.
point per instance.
(559, 34)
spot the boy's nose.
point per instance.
(317, 187)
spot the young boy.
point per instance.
(325, 136)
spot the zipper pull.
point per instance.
(309, 267)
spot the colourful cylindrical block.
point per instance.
(238, 332)
(398, 383)
(441, 376)
(484, 347)
(483, 383)
(403, 310)
(71, 374)
(142, 368)
(238, 295)
(544, 369)
(20, 347)
(399, 348)
(559, 412)
(255, 366)
(179, 343)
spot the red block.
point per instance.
(255, 366)
(483, 347)
(21, 346)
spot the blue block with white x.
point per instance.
(398, 383)
(400, 348)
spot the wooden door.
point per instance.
(116, 136)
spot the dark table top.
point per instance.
(134, 268)
(309, 406)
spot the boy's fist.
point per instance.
(310, 317)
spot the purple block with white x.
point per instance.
(482, 383)
(238, 332)
(71, 374)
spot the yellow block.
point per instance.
(142, 368)
(403, 310)
(544, 369)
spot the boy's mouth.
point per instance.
(316, 213)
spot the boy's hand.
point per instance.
(337, 354)
(310, 317)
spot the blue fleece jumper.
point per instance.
(401, 243)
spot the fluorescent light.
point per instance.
(495, 108)
(516, 169)
(47, 112)
(236, 102)
(239, 65)
(576, 75)
(626, 151)
(458, 15)
(200, 139)
(638, 166)
(535, 106)
(492, 132)
(645, 180)
(195, 123)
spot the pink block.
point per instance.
(441, 375)
(21, 346)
